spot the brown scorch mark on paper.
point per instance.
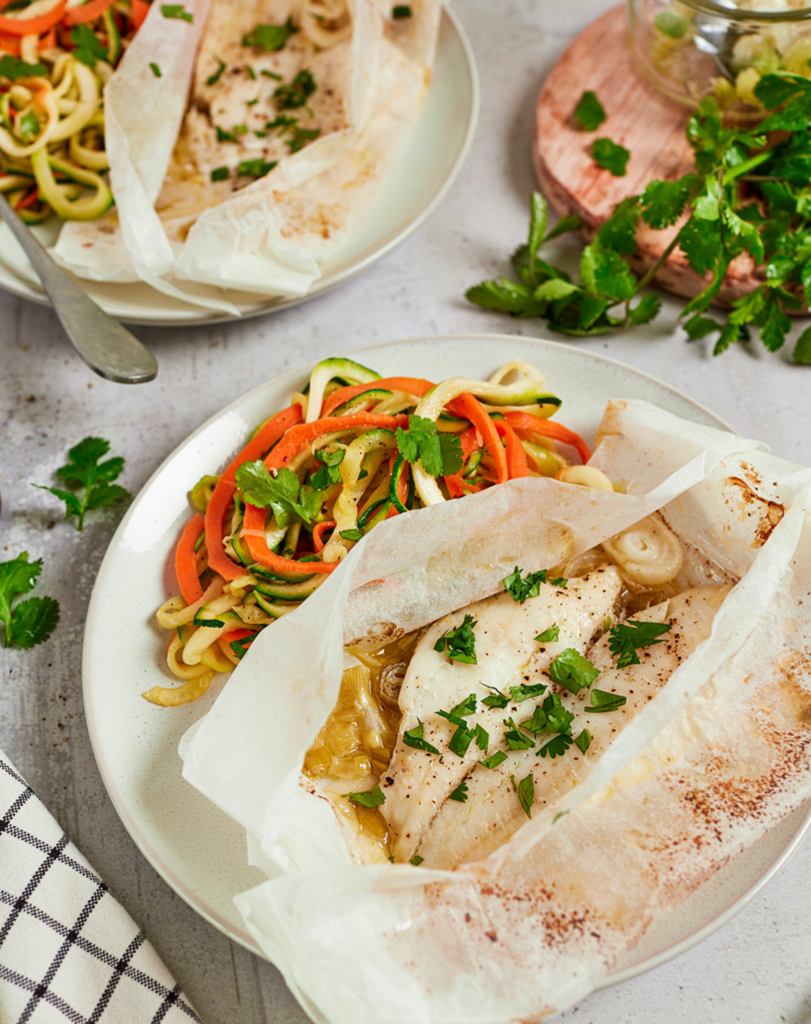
(770, 512)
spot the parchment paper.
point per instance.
(715, 759)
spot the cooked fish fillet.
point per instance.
(448, 832)
(418, 783)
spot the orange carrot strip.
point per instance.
(86, 12)
(29, 200)
(516, 456)
(471, 409)
(186, 560)
(411, 385)
(318, 533)
(140, 9)
(546, 428)
(470, 442)
(224, 491)
(10, 44)
(32, 26)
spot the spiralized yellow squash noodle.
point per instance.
(349, 451)
(55, 58)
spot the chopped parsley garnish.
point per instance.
(627, 637)
(610, 156)
(557, 746)
(14, 68)
(550, 716)
(284, 494)
(29, 126)
(414, 738)
(352, 534)
(496, 699)
(461, 740)
(224, 136)
(257, 168)
(572, 670)
(583, 741)
(31, 621)
(282, 122)
(526, 691)
(240, 129)
(530, 586)
(156, 71)
(439, 453)
(219, 174)
(460, 793)
(603, 701)
(482, 738)
(328, 472)
(515, 739)
(460, 643)
(589, 112)
(300, 136)
(88, 48)
(84, 470)
(251, 72)
(558, 581)
(466, 707)
(416, 860)
(176, 11)
(213, 79)
(494, 759)
(269, 37)
(526, 794)
(296, 93)
(271, 74)
(549, 636)
(401, 11)
(251, 103)
(370, 798)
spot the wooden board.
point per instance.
(640, 118)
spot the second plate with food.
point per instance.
(197, 849)
(409, 193)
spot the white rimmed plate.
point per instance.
(409, 193)
(197, 849)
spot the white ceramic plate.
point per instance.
(197, 849)
(410, 192)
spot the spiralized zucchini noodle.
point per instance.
(55, 58)
(350, 451)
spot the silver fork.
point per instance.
(106, 346)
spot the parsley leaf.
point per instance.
(460, 793)
(482, 738)
(219, 174)
(370, 798)
(156, 71)
(414, 738)
(416, 860)
(526, 794)
(14, 68)
(295, 93)
(29, 126)
(176, 11)
(557, 746)
(460, 643)
(84, 470)
(32, 621)
(589, 112)
(213, 79)
(257, 168)
(401, 11)
(496, 700)
(439, 453)
(461, 740)
(550, 716)
(549, 636)
(572, 670)
(88, 48)
(300, 136)
(269, 37)
(352, 534)
(603, 701)
(494, 759)
(283, 493)
(583, 741)
(521, 589)
(627, 637)
(514, 738)
(526, 691)
(610, 156)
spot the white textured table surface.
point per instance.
(758, 968)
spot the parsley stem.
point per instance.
(654, 270)
(746, 165)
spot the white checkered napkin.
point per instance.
(68, 951)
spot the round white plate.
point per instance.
(409, 193)
(197, 849)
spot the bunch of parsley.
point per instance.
(749, 193)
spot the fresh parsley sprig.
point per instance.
(269, 38)
(748, 193)
(29, 622)
(290, 500)
(439, 453)
(520, 589)
(460, 643)
(14, 68)
(84, 470)
(572, 670)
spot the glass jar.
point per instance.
(690, 49)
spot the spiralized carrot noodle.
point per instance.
(350, 450)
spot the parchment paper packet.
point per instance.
(718, 756)
(181, 230)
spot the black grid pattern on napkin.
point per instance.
(41, 931)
